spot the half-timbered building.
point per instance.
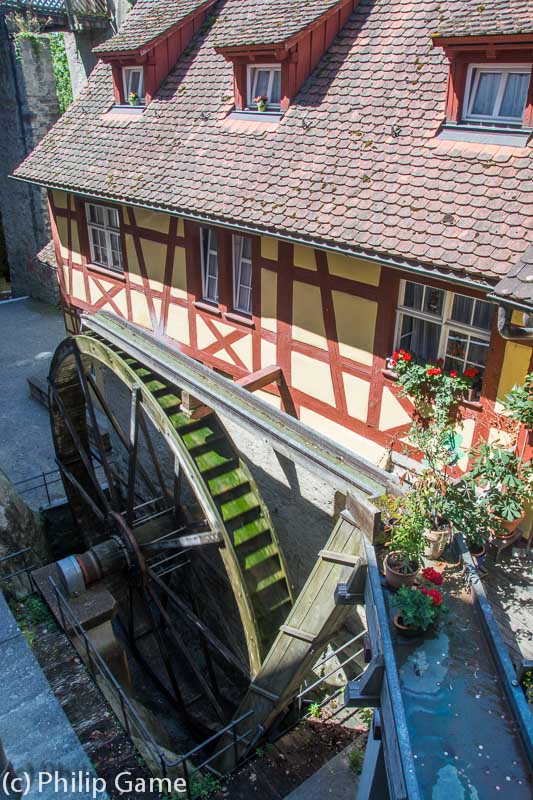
(291, 190)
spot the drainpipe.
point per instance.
(514, 333)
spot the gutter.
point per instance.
(391, 263)
(514, 333)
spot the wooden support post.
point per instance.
(261, 378)
(193, 408)
(136, 398)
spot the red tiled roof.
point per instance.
(518, 283)
(267, 21)
(492, 17)
(151, 19)
(330, 172)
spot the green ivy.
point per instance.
(61, 70)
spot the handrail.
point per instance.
(130, 715)
(26, 569)
(70, 8)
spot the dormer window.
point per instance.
(496, 93)
(264, 85)
(133, 80)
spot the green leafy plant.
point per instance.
(315, 712)
(470, 514)
(504, 479)
(203, 785)
(519, 402)
(410, 521)
(356, 758)
(527, 685)
(61, 70)
(366, 715)
(419, 607)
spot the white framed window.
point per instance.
(242, 274)
(264, 80)
(103, 224)
(434, 324)
(209, 265)
(133, 78)
(496, 93)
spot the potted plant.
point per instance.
(519, 402)
(435, 494)
(420, 607)
(261, 102)
(133, 99)
(470, 515)
(406, 546)
(507, 484)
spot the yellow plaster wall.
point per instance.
(133, 264)
(95, 292)
(515, 366)
(121, 303)
(307, 315)
(312, 377)
(273, 399)
(66, 278)
(76, 249)
(354, 269)
(304, 257)
(353, 441)
(178, 324)
(356, 324)
(269, 290)
(178, 286)
(151, 219)
(139, 310)
(78, 285)
(62, 231)
(155, 255)
(60, 198)
(243, 349)
(269, 248)
(268, 354)
(204, 336)
(357, 392)
(391, 414)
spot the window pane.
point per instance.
(247, 248)
(478, 352)
(414, 294)
(486, 92)
(457, 345)
(515, 95)
(112, 218)
(246, 274)
(261, 82)
(420, 337)
(483, 315)
(433, 301)
(276, 87)
(462, 309)
(134, 82)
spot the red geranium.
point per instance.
(393, 363)
(395, 356)
(434, 594)
(453, 373)
(433, 576)
(434, 371)
(471, 372)
(406, 356)
(439, 362)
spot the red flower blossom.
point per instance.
(471, 372)
(393, 363)
(439, 362)
(406, 356)
(395, 355)
(433, 576)
(434, 371)
(453, 373)
(434, 594)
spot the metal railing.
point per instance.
(130, 719)
(30, 561)
(42, 481)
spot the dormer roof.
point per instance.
(267, 22)
(491, 18)
(152, 20)
(517, 286)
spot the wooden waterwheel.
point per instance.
(132, 506)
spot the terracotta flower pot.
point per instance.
(394, 576)
(405, 630)
(509, 526)
(436, 542)
(479, 554)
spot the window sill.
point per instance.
(201, 305)
(240, 318)
(256, 116)
(485, 134)
(474, 405)
(108, 273)
(126, 108)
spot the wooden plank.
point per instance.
(261, 378)
(365, 515)
(298, 634)
(340, 558)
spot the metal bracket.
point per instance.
(345, 598)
